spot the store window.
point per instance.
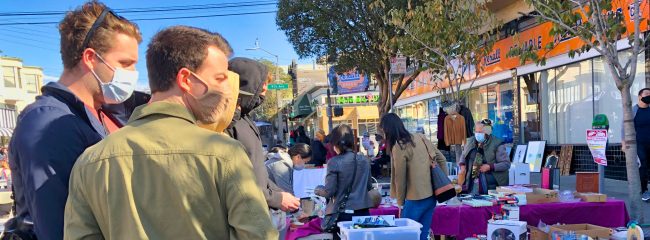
(500, 109)
(529, 108)
(434, 110)
(607, 97)
(369, 126)
(548, 105)
(574, 102)
(477, 103)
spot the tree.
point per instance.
(352, 33)
(269, 109)
(599, 26)
(450, 37)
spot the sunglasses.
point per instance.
(486, 122)
(98, 22)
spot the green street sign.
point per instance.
(279, 86)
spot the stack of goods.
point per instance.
(478, 203)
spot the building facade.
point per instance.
(19, 87)
(555, 102)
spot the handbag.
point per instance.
(442, 187)
(329, 221)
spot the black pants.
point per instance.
(348, 217)
(643, 150)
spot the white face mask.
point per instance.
(120, 88)
(480, 137)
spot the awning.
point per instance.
(6, 132)
(302, 107)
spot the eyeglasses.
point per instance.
(98, 22)
(486, 122)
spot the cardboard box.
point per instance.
(537, 234)
(587, 182)
(587, 229)
(591, 197)
(540, 195)
(519, 174)
(497, 229)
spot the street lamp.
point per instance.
(277, 80)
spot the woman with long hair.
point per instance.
(344, 185)
(411, 164)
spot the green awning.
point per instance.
(301, 107)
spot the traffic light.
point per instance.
(338, 111)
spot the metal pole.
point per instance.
(278, 121)
(330, 125)
(390, 91)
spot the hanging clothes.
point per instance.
(441, 130)
(469, 121)
(455, 129)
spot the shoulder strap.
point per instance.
(427, 147)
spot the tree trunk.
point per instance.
(632, 167)
(384, 98)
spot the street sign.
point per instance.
(398, 65)
(279, 86)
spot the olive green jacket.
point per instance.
(163, 177)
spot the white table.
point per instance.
(304, 181)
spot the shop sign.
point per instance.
(348, 82)
(597, 142)
(343, 100)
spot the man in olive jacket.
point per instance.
(162, 176)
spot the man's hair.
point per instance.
(177, 47)
(76, 24)
(643, 90)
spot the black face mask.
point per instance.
(646, 99)
(253, 103)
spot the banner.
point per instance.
(597, 142)
(348, 82)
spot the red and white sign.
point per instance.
(597, 142)
(398, 65)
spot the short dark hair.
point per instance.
(300, 149)
(343, 138)
(643, 90)
(177, 47)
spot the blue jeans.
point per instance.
(420, 211)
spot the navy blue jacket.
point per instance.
(50, 135)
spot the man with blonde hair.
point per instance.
(99, 51)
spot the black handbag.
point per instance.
(443, 189)
(329, 221)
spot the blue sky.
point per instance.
(38, 45)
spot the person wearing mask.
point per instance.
(382, 157)
(138, 182)
(99, 51)
(281, 164)
(253, 78)
(486, 161)
(319, 152)
(348, 171)
(641, 113)
(411, 165)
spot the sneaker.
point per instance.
(646, 196)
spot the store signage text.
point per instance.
(493, 58)
(356, 99)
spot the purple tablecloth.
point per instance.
(465, 221)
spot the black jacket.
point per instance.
(252, 76)
(50, 135)
(318, 153)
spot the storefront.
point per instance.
(555, 102)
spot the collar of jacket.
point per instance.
(163, 108)
(61, 92)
